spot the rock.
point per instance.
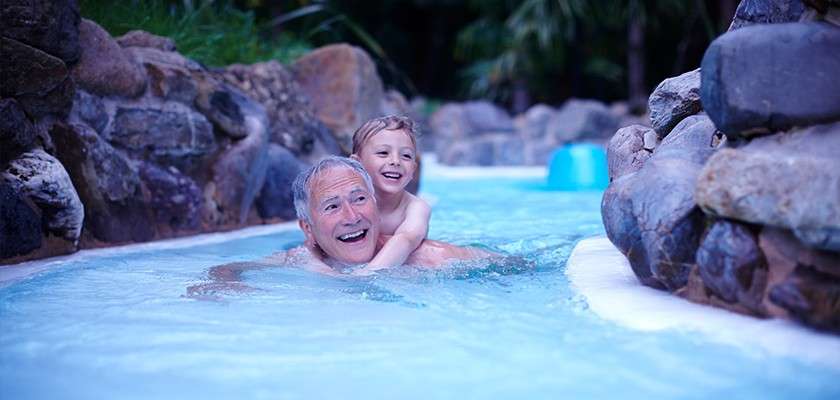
(750, 12)
(238, 175)
(171, 135)
(345, 90)
(175, 200)
(42, 178)
(89, 109)
(485, 150)
(651, 216)
(789, 180)
(626, 152)
(138, 38)
(149, 55)
(108, 185)
(650, 139)
(226, 107)
(171, 82)
(531, 124)
(104, 68)
(767, 78)
(49, 25)
(485, 117)
(20, 225)
(39, 81)
(394, 103)
(811, 297)
(275, 199)
(292, 122)
(582, 119)
(732, 265)
(16, 131)
(674, 99)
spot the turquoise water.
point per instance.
(121, 327)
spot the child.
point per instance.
(387, 148)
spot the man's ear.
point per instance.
(307, 230)
(355, 157)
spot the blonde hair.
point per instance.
(390, 123)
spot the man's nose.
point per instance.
(349, 215)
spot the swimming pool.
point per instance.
(116, 324)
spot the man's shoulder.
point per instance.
(437, 253)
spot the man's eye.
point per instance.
(330, 207)
(361, 199)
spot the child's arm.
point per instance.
(406, 238)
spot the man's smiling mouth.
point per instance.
(353, 237)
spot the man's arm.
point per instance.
(406, 238)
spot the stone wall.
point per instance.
(732, 196)
(480, 133)
(116, 140)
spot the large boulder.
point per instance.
(42, 179)
(766, 78)
(345, 90)
(108, 184)
(485, 150)
(810, 296)
(751, 12)
(91, 110)
(174, 199)
(104, 67)
(479, 125)
(48, 25)
(581, 119)
(16, 131)
(138, 38)
(170, 74)
(40, 82)
(674, 99)
(292, 122)
(627, 152)
(226, 106)
(275, 199)
(168, 133)
(651, 216)
(238, 174)
(732, 265)
(20, 225)
(789, 180)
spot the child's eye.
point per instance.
(382, 153)
(407, 156)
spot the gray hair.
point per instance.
(300, 188)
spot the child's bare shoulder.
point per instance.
(416, 206)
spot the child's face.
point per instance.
(390, 159)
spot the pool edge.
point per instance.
(598, 271)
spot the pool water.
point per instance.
(119, 325)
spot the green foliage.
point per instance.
(215, 34)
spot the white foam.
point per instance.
(14, 272)
(602, 274)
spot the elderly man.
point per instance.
(336, 209)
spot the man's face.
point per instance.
(345, 220)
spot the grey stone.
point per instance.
(485, 150)
(292, 122)
(108, 185)
(171, 135)
(174, 199)
(750, 12)
(789, 180)
(581, 119)
(275, 199)
(48, 25)
(89, 109)
(674, 99)
(650, 214)
(732, 265)
(171, 82)
(16, 131)
(238, 175)
(138, 38)
(20, 225)
(104, 68)
(767, 78)
(39, 81)
(810, 296)
(42, 178)
(651, 140)
(626, 152)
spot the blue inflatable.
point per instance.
(578, 166)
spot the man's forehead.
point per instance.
(336, 181)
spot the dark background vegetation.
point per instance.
(514, 52)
